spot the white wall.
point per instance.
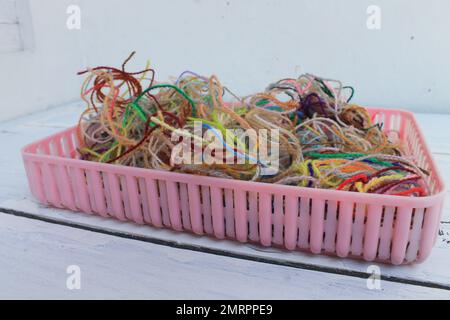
(247, 43)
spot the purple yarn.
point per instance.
(308, 103)
(189, 72)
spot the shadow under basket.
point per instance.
(384, 228)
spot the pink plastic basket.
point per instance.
(347, 224)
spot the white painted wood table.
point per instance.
(125, 260)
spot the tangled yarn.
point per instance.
(324, 140)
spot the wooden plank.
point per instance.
(8, 14)
(15, 195)
(434, 272)
(35, 256)
(10, 38)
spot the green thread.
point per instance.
(141, 113)
(261, 102)
(180, 91)
(324, 88)
(352, 94)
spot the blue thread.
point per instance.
(236, 153)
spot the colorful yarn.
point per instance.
(324, 140)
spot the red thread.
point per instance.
(353, 179)
(418, 190)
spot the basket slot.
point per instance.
(35, 177)
(98, 192)
(50, 186)
(376, 118)
(387, 219)
(40, 149)
(144, 200)
(76, 143)
(43, 148)
(184, 205)
(396, 122)
(195, 208)
(206, 210)
(429, 233)
(218, 219)
(106, 193)
(116, 205)
(108, 202)
(82, 197)
(380, 118)
(372, 232)
(76, 138)
(415, 145)
(414, 235)
(252, 216)
(52, 148)
(48, 178)
(135, 204)
(317, 225)
(265, 219)
(229, 213)
(67, 146)
(91, 192)
(330, 226)
(304, 223)
(153, 202)
(174, 205)
(407, 141)
(344, 232)
(401, 234)
(240, 213)
(163, 201)
(356, 246)
(432, 183)
(66, 188)
(419, 157)
(386, 122)
(124, 197)
(290, 222)
(278, 217)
